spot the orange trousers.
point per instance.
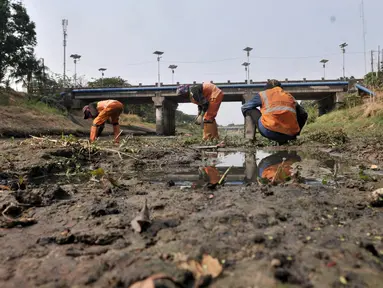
(214, 104)
(210, 129)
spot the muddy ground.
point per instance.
(67, 223)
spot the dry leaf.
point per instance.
(208, 266)
(374, 167)
(149, 282)
(213, 267)
(142, 220)
(3, 187)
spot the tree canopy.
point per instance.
(109, 82)
(17, 40)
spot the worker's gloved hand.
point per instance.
(198, 120)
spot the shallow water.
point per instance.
(248, 168)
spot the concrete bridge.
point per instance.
(327, 92)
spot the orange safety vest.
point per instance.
(209, 91)
(271, 171)
(104, 104)
(278, 111)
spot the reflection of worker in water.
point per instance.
(208, 97)
(101, 112)
(280, 117)
(277, 167)
(209, 175)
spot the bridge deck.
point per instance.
(313, 90)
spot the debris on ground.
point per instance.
(142, 221)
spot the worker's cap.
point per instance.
(272, 84)
(183, 90)
(86, 112)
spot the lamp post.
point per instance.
(246, 65)
(76, 58)
(65, 26)
(102, 70)
(324, 61)
(173, 67)
(248, 49)
(343, 47)
(158, 53)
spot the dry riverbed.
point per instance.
(67, 211)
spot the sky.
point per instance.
(205, 38)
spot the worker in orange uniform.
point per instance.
(208, 97)
(107, 110)
(280, 117)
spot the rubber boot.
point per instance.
(250, 128)
(116, 132)
(210, 131)
(93, 133)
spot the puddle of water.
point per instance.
(250, 168)
(247, 167)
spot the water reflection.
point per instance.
(275, 168)
(261, 166)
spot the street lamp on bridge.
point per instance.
(173, 67)
(324, 61)
(102, 70)
(343, 47)
(76, 58)
(158, 53)
(248, 49)
(246, 65)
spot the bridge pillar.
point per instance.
(249, 127)
(165, 116)
(339, 99)
(326, 105)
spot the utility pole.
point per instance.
(65, 26)
(378, 61)
(44, 79)
(372, 61)
(343, 47)
(364, 35)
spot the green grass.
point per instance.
(42, 107)
(359, 121)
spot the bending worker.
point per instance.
(280, 117)
(208, 97)
(101, 112)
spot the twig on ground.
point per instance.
(118, 152)
(224, 175)
(280, 167)
(40, 138)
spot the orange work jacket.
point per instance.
(278, 111)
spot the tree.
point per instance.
(109, 82)
(374, 80)
(17, 39)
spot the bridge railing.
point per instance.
(234, 85)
